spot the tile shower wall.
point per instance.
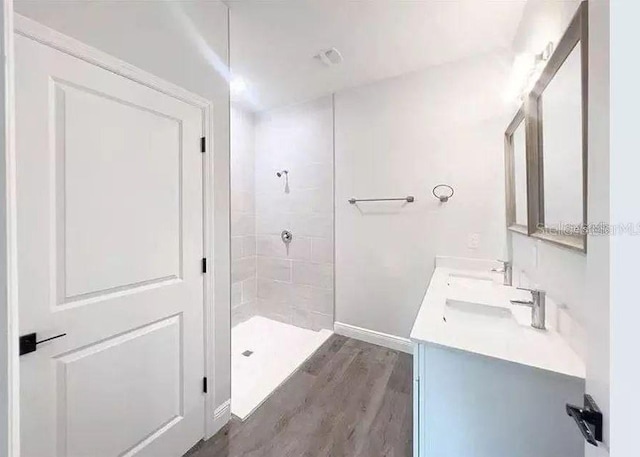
(243, 220)
(295, 282)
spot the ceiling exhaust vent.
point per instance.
(329, 57)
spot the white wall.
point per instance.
(625, 208)
(243, 216)
(399, 137)
(576, 280)
(185, 43)
(295, 284)
(543, 21)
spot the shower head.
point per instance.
(280, 173)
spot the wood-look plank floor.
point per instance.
(350, 399)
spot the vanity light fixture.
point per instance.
(546, 53)
(526, 70)
(539, 62)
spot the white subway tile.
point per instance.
(300, 202)
(313, 176)
(322, 321)
(272, 223)
(273, 246)
(266, 179)
(310, 320)
(250, 224)
(234, 220)
(236, 248)
(249, 290)
(297, 139)
(274, 310)
(307, 201)
(236, 294)
(312, 298)
(270, 202)
(301, 293)
(322, 250)
(237, 204)
(248, 202)
(243, 224)
(314, 225)
(276, 291)
(266, 245)
(248, 246)
(300, 248)
(321, 201)
(313, 274)
(242, 313)
(269, 246)
(284, 318)
(243, 269)
(301, 318)
(270, 268)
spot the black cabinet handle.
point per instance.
(588, 419)
(29, 343)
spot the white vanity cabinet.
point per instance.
(470, 405)
(487, 384)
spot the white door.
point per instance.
(110, 208)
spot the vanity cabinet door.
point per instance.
(419, 436)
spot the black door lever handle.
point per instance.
(29, 342)
(588, 419)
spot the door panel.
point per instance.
(110, 225)
(93, 377)
(109, 188)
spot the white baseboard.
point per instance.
(221, 416)
(371, 336)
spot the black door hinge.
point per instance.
(204, 265)
(203, 144)
(204, 384)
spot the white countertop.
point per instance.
(516, 342)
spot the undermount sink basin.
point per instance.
(476, 314)
(464, 281)
(476, 276)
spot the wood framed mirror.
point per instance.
(515, 159)
(556, 117)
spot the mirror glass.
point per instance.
(520, 174)
(562, 146)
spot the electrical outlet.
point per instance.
(473, 241)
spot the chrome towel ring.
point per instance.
(443, 197)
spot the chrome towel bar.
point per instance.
(408, 199)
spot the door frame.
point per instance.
(9, 364)
(49, 37)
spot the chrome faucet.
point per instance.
(507, 271)
(537, 305)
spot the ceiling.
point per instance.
(273, 41)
